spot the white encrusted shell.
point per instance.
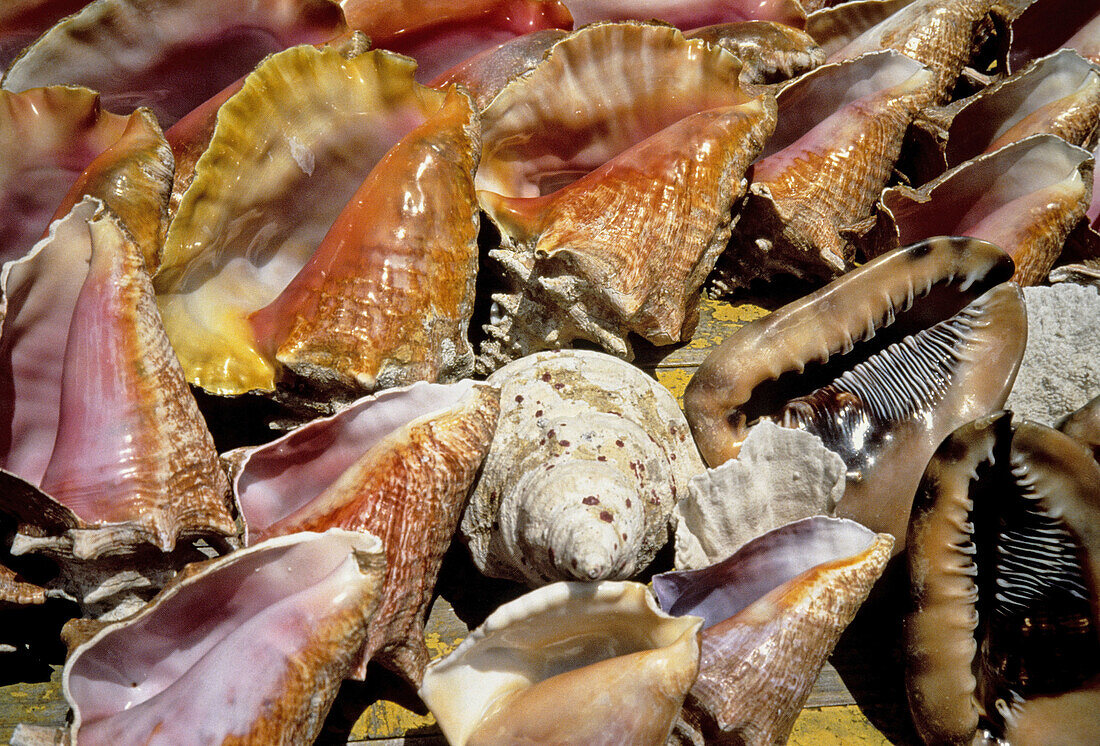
(588, 460)
(780, 476)
(567, 663)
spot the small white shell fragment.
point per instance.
(780, 476)
(589, 458)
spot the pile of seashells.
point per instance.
(264, 362)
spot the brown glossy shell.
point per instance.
(931, 373)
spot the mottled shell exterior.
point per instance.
(596, 243)
(249, 648)
(601, 653)
(773, 611)
(840, 131)
(1026, 198)
(375, 178)
(770, 52)
(58, 145)
(588, 460)
(110, 451)
(398, 465)
(169, 56)
(687, 14)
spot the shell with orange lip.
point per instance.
(613, 195)
(349, 263)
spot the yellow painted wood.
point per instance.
(835, 726)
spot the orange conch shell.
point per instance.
(596, 241)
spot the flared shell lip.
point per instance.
(848, 539)
(830, 320)
(360, 543)
(444, 678)
(431, 399)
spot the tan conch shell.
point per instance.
(772, 613)
(1024, 198)
(397, 465)
(249, 648)
(588, 460)
(936, 33)
(58, 145)
(592, 663)
(596, 242)
(109, 450)
(881, 363)
(1004, 563)
(841, 128)
(1058, 94)
(350, 260)
(770, 52)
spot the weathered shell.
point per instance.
(595, 243)
(588, 460)
(485, 75)
(249, 648)
(779, 476)
(840, 130)
(49, 136)
(1083, 425)
(1003, 563)
(936, 33)
(108, 449)
(770, 52)
(601, 654)
(1025, 198)
(1058, 94)
(935, 337)
(442, 34)
(169, 55)
(772, 613)
(344, 157)
(397, 465)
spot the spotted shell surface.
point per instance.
(588, 460)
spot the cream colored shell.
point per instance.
(588, 460)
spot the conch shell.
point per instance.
(398, 465)
(588, 460)
(169, 55)
(772, 613)
(601, 652)
(929, 337)
(108, 449)
(1025, 198)
(250, 648)
(840, 130)
(349, 264)
(596, 242)
(1004, 562)
(59, 145)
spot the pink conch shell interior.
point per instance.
(398, 465)
(1047, 25)
(1024, 198)
(100, 416)
(231, 251)
(689, 14)
(440, 35)
(168, 56)
(251, 647)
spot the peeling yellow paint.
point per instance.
(675, 380)
(740, 314)
(835, 726)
